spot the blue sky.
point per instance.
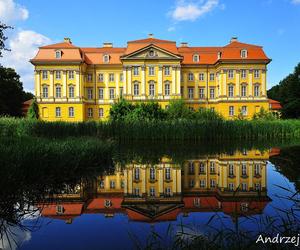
(274, 24)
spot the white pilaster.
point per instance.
(129, 83)
(37, 83)
(250, 89)
(64, 83)
(106, 89)
(117, 85)
(124, 80)
(160, 89)
(78, 94)
(143, 83)
(178, 73)
(51, 81)
(173, 86)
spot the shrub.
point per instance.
(33, 111)
(264, 115)
(178, 110)
(208, 115)
(120, 110)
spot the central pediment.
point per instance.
(151, 52)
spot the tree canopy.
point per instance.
(3, 38)
(287, 92)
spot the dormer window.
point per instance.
(58, 54)
(151, 53)
(196, 58)
(106, 58)
(244, 53)
(219, 55)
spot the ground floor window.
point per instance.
(244, 110)
(58, 112)
(231, 110)
(90, 112)
(101, 113)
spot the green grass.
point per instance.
(179, 130)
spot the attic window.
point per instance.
(106, 58)
(196, 58)
(151, 53)
(58, 54)
(244, 53)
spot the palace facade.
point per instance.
(234, 184)
(78, 84)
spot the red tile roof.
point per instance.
(208, 55)
(274, 105)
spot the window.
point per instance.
(202, 183)
(101, 93)
(244, 53)
(256, 169)
(58, 112)
(257, 186)
(191, 168)
(212, 93)
(256, 73)
(45, 91)
(212, 183)
(192, 183)
(90, 112)
(191, 77)
(201, 93)
(168, 173)
(243, 73)
(244, 207)
(201, 77)
(136, 91)
(244, 90)
(191, 93)
(100, 77)
(231, 110)
(244, 187)
(45, 74)
(71, 92)
(71, 112)
(57, 54)
(101, 113)
(152, 174)
(231, 186)
(112, 184)
(106, 58)
(121, 91)
(121, 77)
(212, 167)
(71, 74)
(211, 76)
(244, 110)
(136, 173)
(111, 77)
(136, 192)
(196, 58)
(167, 89)
(167, 71)
(59, 209)
(231, 170)
(89, 77)
(57, 74)
(230, 90)
(168, 191)
(135, 70)
(58, 91)
(151, 53)
(151, 71)
(90, 93)
(202, 168)
(101, 184)
(181, 91)
(151, 89)
(152, 191)
(256, 90)
(111, 93)
(230, 73)
(244, 169)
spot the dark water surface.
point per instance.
(161, 196)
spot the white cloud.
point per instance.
(24, 45)
(172, 28)
(191, 11)
(295, 1)
(11, 11)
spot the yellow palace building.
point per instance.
(78, 84)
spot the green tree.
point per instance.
(3, 38)
(120, 110)
(33, 111)
(287, 92)
(208, 115)
(11, 92)
(178, 110)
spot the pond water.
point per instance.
(155, 197)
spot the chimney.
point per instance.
(67, 40)
(184, 44)
(107, 45)
(233, 39)
(150, 35)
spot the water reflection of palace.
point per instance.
(234, 184)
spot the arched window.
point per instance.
(58, 54)
(196, 58)
(106, 58)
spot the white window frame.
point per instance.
(89, 77)
(152, 173)
(58, 54)
(151, 89)
(57, 74)
(202, 183)
(111, 93)
(57, 91)
(243, 73)
(256, 90)
(89, 93)
(191, 93)
(231, 170)
(111, 77)
(196, 58)
(167, 89)
(168, 173)
(201, 76)
(137, 174)
(212, 93)
(151, 71)
(231, 110)
(136, 71)
(44, 74)
(106, 58)
(256, 73)
(230, 90)
(136, 89)
(201, 93)
(202, 168)
(101, 112)
(244, 169)
(45, 91)
(101, 93)
(230, 74)
(71, 74)
(71, 111)
(57, 111)
(90, 112)
(167, 70)
(211, 76)
(244, 53)
(71, 91)
(190, 76)
(100, 77)
(244, 110)
(243, 90)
